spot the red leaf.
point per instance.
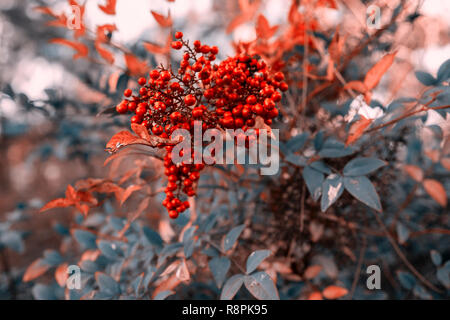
(357, 130)
(80, 48)
(316, 295)
(263, 29)
(109, 7)
(105, 54)
(374, 75)
(334, 292)
(35, 270)
(446, 163)
(162, 21)
(135, 66)
(436, 190)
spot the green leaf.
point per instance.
(261, 286)
(334, 149)
(313, 180)
(255, 259)
(232, 236)
(219, 267)
(362, 166)
(363, 190)
(231, 287)
(332, 189)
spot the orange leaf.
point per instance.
(436, 190)
(357, 130)
(263, 29)
(154, 48)
(374, 75)
(104, 30)
(446, 163)
(135, 66)
(109, 7)
(162, 21)
(312, 271)
(105, 54)
(167, 285)
(248, 11)
(315, 296)
(433, 155)
(128, 191)
(122, 139)
(61, 274)
(80, 48)
(356, 85)
(334, 292)
(414, 172)
(57, 203)
(141, 131)
(35, 270)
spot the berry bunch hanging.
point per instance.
(228, 95)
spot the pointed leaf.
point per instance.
(363, 190)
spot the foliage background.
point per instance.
(51, 137)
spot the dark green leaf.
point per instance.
(362, 166)
(219, 267)
(231, 287)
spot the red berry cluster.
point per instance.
(229, 95)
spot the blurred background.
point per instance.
(50, 134)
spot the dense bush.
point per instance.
(360, 182)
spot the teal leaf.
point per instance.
(362, 166)
(231, 287)
(425, 78)
(261, 286)
(296, 143)
(107, 284)
(334, 149)
(363, 190)
(232, 236)
(402, 232)
(320, 166)
(436, 258)
(109, 249)
(406, 279)
(85, 238)
(163, 295)
(444, 71)
(219, 267)
(332, 189)
(255, 259)
(313, 180)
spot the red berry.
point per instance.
(173, 214)
(122, 108)
(284, 86)
(177, 45)
(136, 119)
(165, 76)
(197, 113)
(178, 35)
(279, 76)
(154, 74)
(142, 81)
(251, 99)
(127, 92)
(190, 100)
